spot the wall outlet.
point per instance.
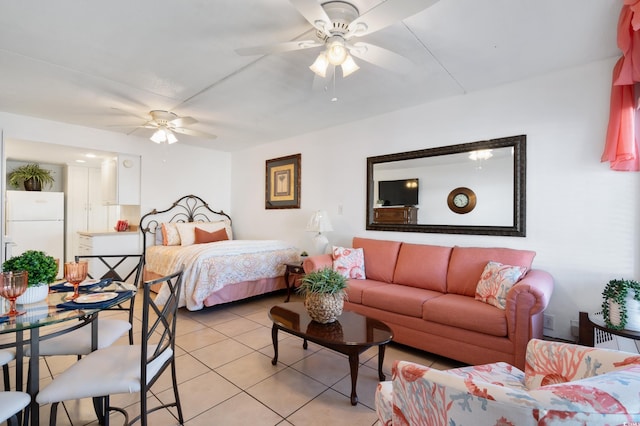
(575, 328)
(547, 321)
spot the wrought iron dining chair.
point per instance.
(119, 267)
(6, 356)
(125, 268)
(11, 403)
(126, 368)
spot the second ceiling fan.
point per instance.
(337, 24)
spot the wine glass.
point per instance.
(75, 273)
(12, 286)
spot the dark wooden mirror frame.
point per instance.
(519, 188)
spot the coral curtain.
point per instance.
(621, 148)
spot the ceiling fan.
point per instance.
(166, 124)
(337, 24)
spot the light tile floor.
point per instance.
(226, 378)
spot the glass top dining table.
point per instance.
(22, 330)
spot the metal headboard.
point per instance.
(189, 208)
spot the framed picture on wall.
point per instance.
(283, 182)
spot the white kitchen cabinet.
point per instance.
(85, 209)
(121, 180)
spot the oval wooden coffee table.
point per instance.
(351, 334)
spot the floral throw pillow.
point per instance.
(170, 236)
(495, 282)
(349, 262)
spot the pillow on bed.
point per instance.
(170, 235)
(203, 236)
(187, 230)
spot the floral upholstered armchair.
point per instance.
(563, 384)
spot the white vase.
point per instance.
(633, 312)
(33, 295)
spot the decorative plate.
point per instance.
(96, 297)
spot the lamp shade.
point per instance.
(319, 222)
(320, 65)
(162, 135)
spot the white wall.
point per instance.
(582, 218)
(168, 172)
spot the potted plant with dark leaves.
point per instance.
(42, 270)
(621, 304)
(324, 294)
(32, 176)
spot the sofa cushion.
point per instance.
(379, 257)
(349, 262)
(422, 265)
(400, 299)
(356, 287)
(496, 281)
(467, 263)
(466, 313)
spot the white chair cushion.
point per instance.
(11, 403)
(108, 371)
(6, 356)
(78, 342)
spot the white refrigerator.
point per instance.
(35, 221)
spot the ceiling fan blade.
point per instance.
(382, 57)
(192, 132)
(385, 14)
(314, 13)
(278, 48)
(183, 121)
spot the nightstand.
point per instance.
(294, 268)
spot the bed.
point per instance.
(216, 270)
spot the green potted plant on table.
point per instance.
(324, 292)
(621, 304)
(41, 269)
(32, 175)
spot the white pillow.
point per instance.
(188, 234)
(170, 236)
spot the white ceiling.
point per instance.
(81, 62)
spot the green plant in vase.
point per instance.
(42, 269)
(32, 176)
(616, 295)
(324, 292)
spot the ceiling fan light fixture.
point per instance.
(336, 51)
(349, 66)
(320, 65)
(171, 138)
(163, 135)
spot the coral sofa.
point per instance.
(426, 294)
(562, 384)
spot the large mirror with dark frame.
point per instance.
(471, 188)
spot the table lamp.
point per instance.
(319, 223)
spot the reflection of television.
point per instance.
(398, 192)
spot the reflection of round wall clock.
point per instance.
(461, 200)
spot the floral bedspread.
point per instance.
(210, 267)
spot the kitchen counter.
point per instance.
(103, 233)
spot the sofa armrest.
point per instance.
(315, 263)
(550, 363)
(536, 287)
(423, 395)
(525, 303)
